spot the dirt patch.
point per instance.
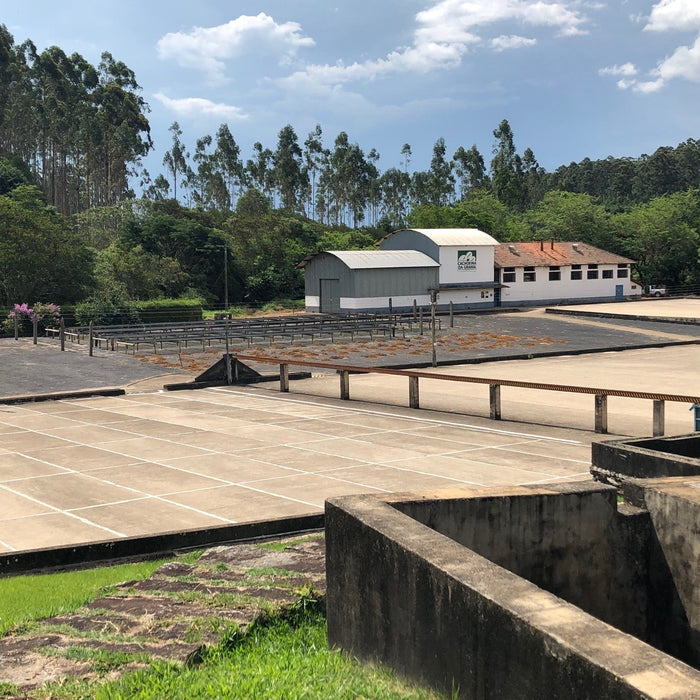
(379, 350)
(168, 616)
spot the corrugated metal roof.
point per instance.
(543, 254)
(456, 236)
(377, 259)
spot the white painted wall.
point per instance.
(542, 289)
(455, 269)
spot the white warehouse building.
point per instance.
(465, 267)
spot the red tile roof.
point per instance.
(546, 253)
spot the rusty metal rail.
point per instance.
(414, 376)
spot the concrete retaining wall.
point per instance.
(674, 563)
(441, 613)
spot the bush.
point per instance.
(106, 308)
(47, 315)
(164, 310)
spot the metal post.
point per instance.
(229, 378)
(35, 327)
(452, 316)
(391, 307)
(16, 326)
(495, 401)
(659, 418)
(601, 413)
(433, 307)
(413, 393)
(92, 337)
(284, 377)
(344, 384)
(414, 310)
(62, 334)
(225, 278)
(420, 321)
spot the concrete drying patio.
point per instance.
(105, 468)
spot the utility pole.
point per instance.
(433, 305)
(225, 247)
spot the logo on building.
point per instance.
(466, 260)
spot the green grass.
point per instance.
(276, 658)
(27, 598)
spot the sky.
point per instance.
(574, 78)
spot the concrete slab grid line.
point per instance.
(508, 448)
(163, 499)
(436, 421)
(397, 467)
(56, 510)
(476, 462)
(570, 477)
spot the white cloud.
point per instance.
(626, 69)
(683, 63)
(503, 42)
(647, 86)
(208, 48)
(198, 106)
(444, 33)
(674, 15)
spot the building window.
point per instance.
(592, 273)
(529, 274)
(508, 274)
(607, 274)
(576, 273)
(622, 271)
(554, 273)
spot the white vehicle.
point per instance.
(652, 290)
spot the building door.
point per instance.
(619, 292)
(330, 296)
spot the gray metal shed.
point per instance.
(347, 281)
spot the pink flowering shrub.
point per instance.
(23, 315)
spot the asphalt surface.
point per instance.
(28, 369)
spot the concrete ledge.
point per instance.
(153, 545)
(614, 461)
(689, 321)
(61, 395)
(438, 612)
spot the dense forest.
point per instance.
(80, 218)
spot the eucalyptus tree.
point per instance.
(470, 169)
(175, 160)
(124, 136)
(313, 163)
(374, 189)
(289, 176)
(506, 168)
(406, 153)
(395, 187)
(227, 158)
(349, 180)
(441, 182)
(259, 170)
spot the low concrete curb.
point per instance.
(153, 545)
(61, 395)
(632, 317)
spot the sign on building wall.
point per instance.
(466, 259)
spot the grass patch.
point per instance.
(276, 657)
(281, 546)
(101, 660)
(27, 598)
